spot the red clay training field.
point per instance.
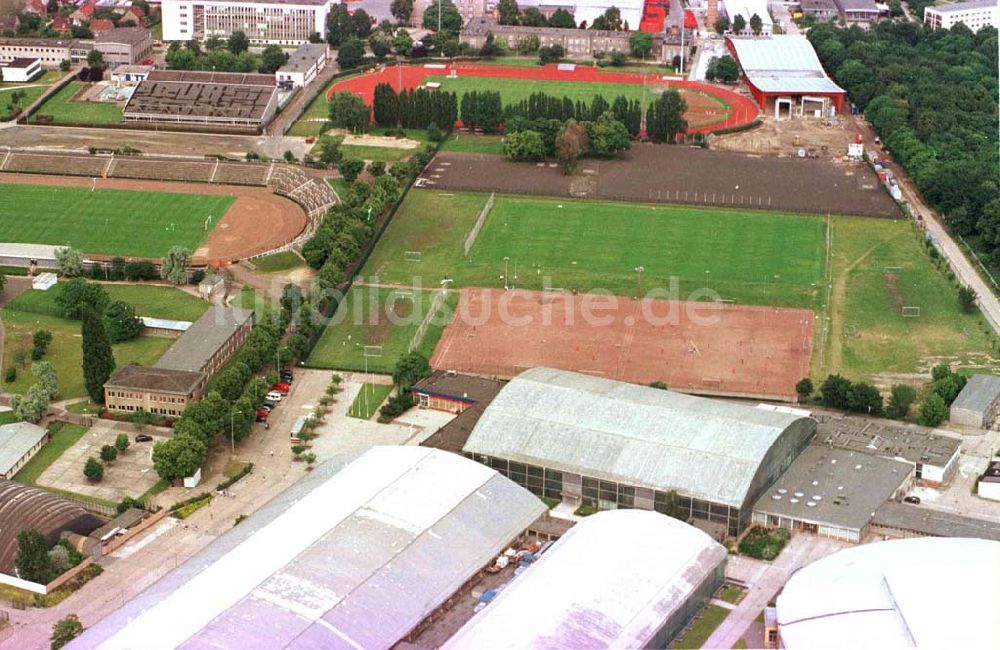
(703, 112)
(706, 348)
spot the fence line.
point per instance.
(480, 220)
(436, 302)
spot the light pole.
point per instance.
(506, 281)
(638, 280)
(232, 431)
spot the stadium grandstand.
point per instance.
(631, 594)
(911, 593)
(785, 76)
(543, 428)
(416, 523)
(220, 100)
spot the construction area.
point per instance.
(698, 347)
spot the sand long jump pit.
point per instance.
(707, 348)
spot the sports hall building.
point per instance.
(607, 444)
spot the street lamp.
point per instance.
(638, 280)
(232, 431)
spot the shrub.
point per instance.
(764, 543)
(109, 453)
(121, 442)
(10, 374)
(93, 470)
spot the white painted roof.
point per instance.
(782, 63)
(350, 556)
(165, 324)
(927, 592)
(16, 440)
(34, 251)
(631, 434)
(610, 582)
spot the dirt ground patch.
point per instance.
(258, 220)
(706, 348)
(827, 138)
(668, 174)
(380, 141)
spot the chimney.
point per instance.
(712, 14)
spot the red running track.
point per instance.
(742, 110)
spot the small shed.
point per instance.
(978, 403)
(44, 281)
(212, 287)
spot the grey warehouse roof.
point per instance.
(706, 449)
(963, 6)
(304, 58)
(980, 392)
(610, 582)
(353, 555)
(934, 523)
(834, 487)
(784, 63)
(16, 440)
(196, 346)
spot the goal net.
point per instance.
(372, 351)
(911, 312)
(412, 256)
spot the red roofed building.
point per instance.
(100, 26)
(60, 24)
(83, 14)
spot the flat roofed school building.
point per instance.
(272, 22)
(902, 520)
(19, 441)
(49, 51)
(625, 579)
(608, 444)
(209, 342)
(975, 15)
(303, 65)
(156, 390)
(21, 69)
(832, 493)
(912, 593)
(355, 554)
(220, 100)
(454, 392)
(978, 402)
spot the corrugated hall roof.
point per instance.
(783, 63)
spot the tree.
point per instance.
(410, 369)
(65, 630)
(93, 470)
(723, 68)
(402, 10)
(640, 44)
(174, 267)
(966, 299)
(523, 146)
(551, 53)
(508, 12)
(121, 323)
(348, 111)
(361, 23)
(402, 42)
(532, 17)
(611, 19)
(95, 60)
(672, 506)
(445, 13)
(561, 19)
(45, 373)
(32, 557)
(40, 341)
(98, 360)
(351, 53)
(31, 406)
(756, 24)
(864, 398)
(571, 143)
(238, 42)
(178, 457)
(721, 24)
(933, 411)
(272, 58)
(739, 24)
(70, 261)
(109, 453)
(608, 137)
(77, 293)
(901, 398)
(665, 117)
(833, 391)
(350, 168)
(804, 389)
(121, 442)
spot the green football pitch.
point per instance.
(107, 222)
(750, 257)
(514, 90)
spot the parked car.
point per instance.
(273, 396)
(912, 499)
(269, 406)
(286, 376)
(262, 413)
(144, 437)
(281, 388)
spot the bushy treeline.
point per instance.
(541, 106)
(414, 109)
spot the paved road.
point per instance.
(961, 266)
(764, 580)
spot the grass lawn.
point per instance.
(316, 114)
(881, 266)
(278, 262)
(86, 407)
(7, 417)
(61, 438)
(148, 300)
(532, 61)
(62, 110)
(365, 319)
(474, 144)
(368, 401)
(731, 594)
(28, 95)
(339, 185)
(65, 351)
(695, 636)
(753, 257)
(110, 222)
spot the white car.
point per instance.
(273, 396)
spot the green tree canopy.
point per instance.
(32, 557)
(445, 13)
(523, 146)
(98, 359)
(77, 293)
(121, 323)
